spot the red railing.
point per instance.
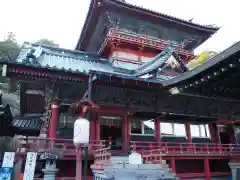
(101, 147)
(175, 148)
(65, 146)
(66, 178)
(62, 178)
(102, 156)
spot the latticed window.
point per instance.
(174, 129)
(200, 130)
(111, 121)
(66, 121)
(142, 127)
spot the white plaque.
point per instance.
(30, 166)
(135, 158)
(8, 159)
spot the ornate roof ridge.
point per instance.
(62, 52)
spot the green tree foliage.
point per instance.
(9, 47)
(202, 58)
(46, 42)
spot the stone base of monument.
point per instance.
(235, 168)
(120, 169)
(138, 172)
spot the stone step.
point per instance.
(121, 164)
(119, 159)
(140, 166)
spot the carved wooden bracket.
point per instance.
(83, 106)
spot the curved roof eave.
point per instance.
(208, 64)
(91, 5)
(213, 29)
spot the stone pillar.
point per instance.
(54, 120)
(188, 131)
(157, 130)
(235, 168)
(50, 170)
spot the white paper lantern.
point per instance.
(81, 132)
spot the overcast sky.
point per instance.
(62, 20)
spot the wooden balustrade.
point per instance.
(102, 148)
(102, 156)
(62, 178)
(65, 146)
(175, 148)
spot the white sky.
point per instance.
(62, 20)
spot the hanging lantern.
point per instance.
(81, 132)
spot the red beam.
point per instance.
(224, 122)
(106, 110)
(190, 175)
(48, 73)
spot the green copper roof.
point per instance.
(52, 58)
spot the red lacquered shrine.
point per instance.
(128, 76)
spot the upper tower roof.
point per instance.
(105, 14)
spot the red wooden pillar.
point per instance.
(125, 133)
(98, 135)
(207, 169)
(212, 133)
(188, 131)
(128, 130)
(92, 128)
(52, 131)
(157, 130)
(233, 133)
(173, 164)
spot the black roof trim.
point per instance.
(27, 125)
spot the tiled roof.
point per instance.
(213, 27)
(63, 59)
(28, 125)
(71, 61)
(156, 63)
(141, 10)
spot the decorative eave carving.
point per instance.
(118, 35)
